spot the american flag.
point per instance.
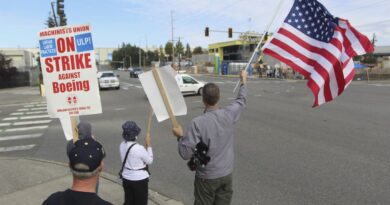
(320, 47)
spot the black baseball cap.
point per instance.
(86, 155)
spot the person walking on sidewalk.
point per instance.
(86, 164)
(135, 160)
(214, 129)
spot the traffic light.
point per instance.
(206, 32)
(230, 32)
(63, 20)
(60, 7)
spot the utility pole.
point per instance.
(173, 43)
(140, 62)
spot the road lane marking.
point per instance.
(36, 112)
(17, 148)
(128, 84)
(119, 109)
(32, 122)
(17, 113)
(5, 124)
(26, 128)
(18, 137)
(125, 88)
(138, 86)
(34, 117)
(22, 110)
(41, 105)
(258, 95)
(38, 108)
(10, 118)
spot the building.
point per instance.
(383, 55)
(23, 60)
(236, 50)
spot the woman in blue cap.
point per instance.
(135, 160)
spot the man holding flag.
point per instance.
(320, 47)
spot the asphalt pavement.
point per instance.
(286, 152)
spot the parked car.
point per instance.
(189, 85)
(108, 79)
(135, 72)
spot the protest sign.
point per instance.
(163, 94)
(69, 71)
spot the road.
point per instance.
(285, 151)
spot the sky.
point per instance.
(147, 23)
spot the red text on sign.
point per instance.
(70, 86)
(72, 62)
(66, 45)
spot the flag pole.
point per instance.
(261, 40)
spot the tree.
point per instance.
(179, 49)
(161, 54)
(130, 55)
(6, 70)
(198, 50)
(168, 49)
(369, 58)
(188, 52)
(50, 23)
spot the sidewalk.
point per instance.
(30, 181)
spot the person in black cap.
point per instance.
(86, 163)
(135, 160)
(84, 129)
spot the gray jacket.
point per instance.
(216, 129)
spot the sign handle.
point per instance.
(75, 133)
(149, 121)
(163, 92)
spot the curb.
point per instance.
(153, 195)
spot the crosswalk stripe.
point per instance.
(5, 124)
(138, 86)
(10, 118)
(40, 105)
(18, 137)
(17, 113)
(28, 106)
(32, 122)
(34, 117)
(17, 148)
(38, 108)
(26, 128)
(36, 112)
(23, 109)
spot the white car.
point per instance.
(189, 85)
(108, 79)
